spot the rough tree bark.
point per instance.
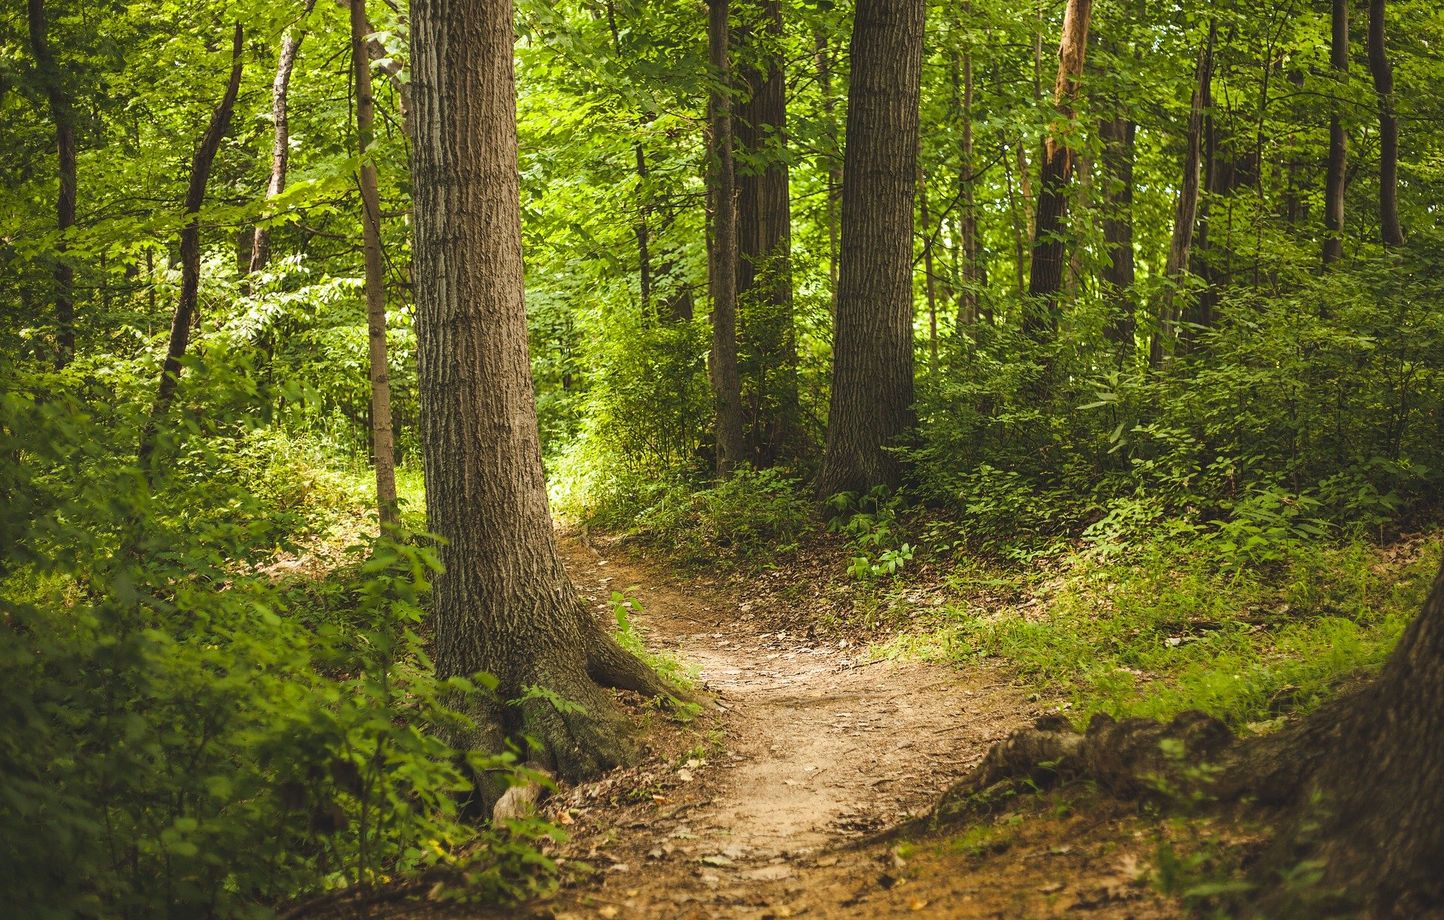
(1358, 784)
(1118, 135)
(726, 382)
(383, 448)
(764, 237)
(504, 603)
(1040, 310)
(872, 375)
(60, 114)
(1185, 213)
(1336, 174)
(281, 134)
(190, 256)
(1390, 230)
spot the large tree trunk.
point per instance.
(764, 231)
(383, 447)
(60, 114)
(1390, 231)
(725, 376)
(872, 376)
(1118, 135)
(504, 604)
(1185, 214)
(190, 255)
(281, 134)
(1336, 175)
(1040, 310)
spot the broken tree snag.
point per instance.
(1040, 317)
(190, 252)
(281, 133)
(504, 604)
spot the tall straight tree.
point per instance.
(1118, 134)
(1391, 231)
(382, 441)
(60, 113)
(190, 256)
(1040, 312)
(504, 603)
(280, 133)
(726, 383)
(1185, 212)
(872, 374)
(768, 337)
(1337, 173)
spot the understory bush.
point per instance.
(749, 514)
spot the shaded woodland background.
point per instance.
(1144, 327)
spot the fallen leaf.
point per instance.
(917, 904)
(608, 913)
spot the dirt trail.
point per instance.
(818, 745)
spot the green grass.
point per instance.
(1163, 628)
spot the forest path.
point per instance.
(818, 744)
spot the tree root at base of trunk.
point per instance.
(1307, 780)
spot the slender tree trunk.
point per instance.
(764, 267)
(60, 114)
(726, 383)
(503, 603)
(1185, 214)
(872, 377)
(928, 282)
(833, 204)
(1118, 135)
(281, 134)
(1390, 230)
(190, 253)
(1336, 177)
(1020, 257)
(383, 447)
(1040, 314)
(968, 281)
(643, 231)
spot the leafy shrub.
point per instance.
(750, 513)
(182, 735)
(872, 526)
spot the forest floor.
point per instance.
(765, 805)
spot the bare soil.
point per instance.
(762, 807)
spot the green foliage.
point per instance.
(184, 732)
(744, 517)
(872, 525)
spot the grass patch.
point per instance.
(1170, 627)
